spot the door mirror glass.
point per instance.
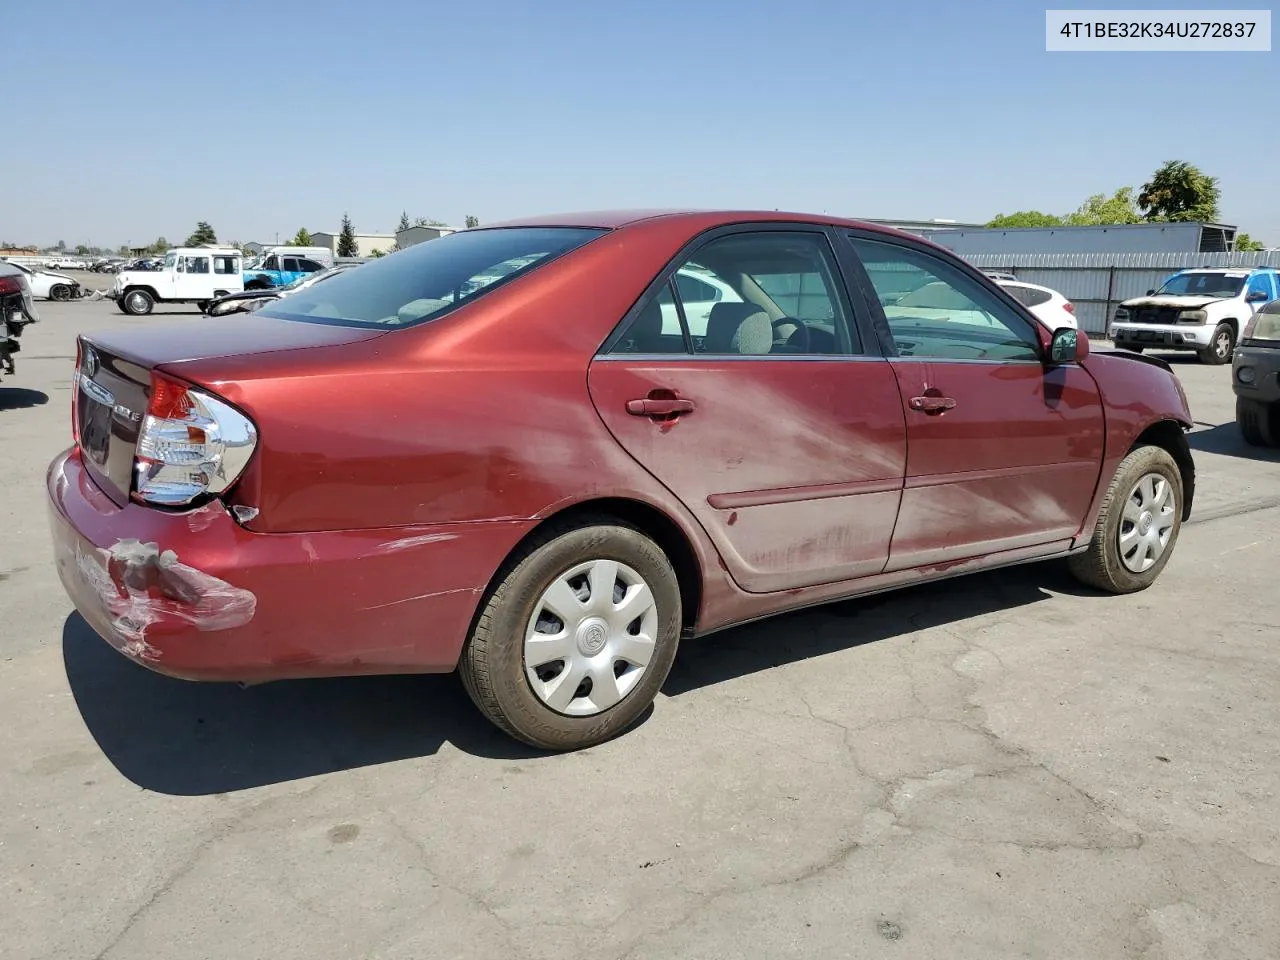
(1068, 346)
(1151, 291)
(1256, 296)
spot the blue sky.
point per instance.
(264, 117)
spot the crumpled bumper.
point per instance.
(195, 595)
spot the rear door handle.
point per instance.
(932, 405)
(650, 407)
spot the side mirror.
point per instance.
(1151, 291)
(1256, 296)
(1068, 346)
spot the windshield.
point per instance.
(428, 278)
(170, 261)
(1202, 285)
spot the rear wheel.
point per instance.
(574, 643)
(138, 302)
(1221, 346)
(1259, 422)
(1137, 526)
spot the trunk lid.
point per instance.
(113, 382)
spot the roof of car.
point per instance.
(1245, 270)
(615, 219)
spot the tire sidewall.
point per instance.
(1132, 469)
(128, 303)
(59, 291)
(519, 593)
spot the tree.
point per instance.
(160, 246)
(1246, 243)
(472, 221)
(1025, 218)
(1100, 210)
(376, 253)
(302, 238)
(81, 250)
(203, 234)
(347, 246)
(428, 222)
(61, 247)
(404, 221)
(1179, 192)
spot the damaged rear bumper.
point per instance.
(197, 596)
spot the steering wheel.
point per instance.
(799, 325)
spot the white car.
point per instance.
(50, 286)
(942, 301)
(1050, 307)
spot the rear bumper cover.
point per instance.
(196, 595)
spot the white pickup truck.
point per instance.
(189, 275)
(1202, 310)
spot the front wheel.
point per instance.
(1137, 526)
(59, 291)
(574, 643)
(1221, 346)
(1259, 422)
(138, 303)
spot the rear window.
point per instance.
(429, 278)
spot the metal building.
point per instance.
(1114, 238)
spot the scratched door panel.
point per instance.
(1013, 464)
(794, 468)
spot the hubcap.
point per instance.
(1224, 344)
(590, 638)
(138, 302)
(1147, 523)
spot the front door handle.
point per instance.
(659, 407)
(932, 405)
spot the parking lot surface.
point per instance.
(1003, 765)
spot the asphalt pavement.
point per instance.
(999, 766)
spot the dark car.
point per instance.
(1255, 378)
(545, 452)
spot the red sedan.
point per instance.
(544, 452)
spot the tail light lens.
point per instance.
(75, 394)
(11, 285)
(1069, 307)
(191, 444)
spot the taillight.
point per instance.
(191, 444)
(9, 285)
(1069, 307)
(75, 396)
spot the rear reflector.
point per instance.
(1069, 307)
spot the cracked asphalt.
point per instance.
(997, 766)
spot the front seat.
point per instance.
(741, 328)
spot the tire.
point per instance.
(1103, 566)
(1221, 346)
(202, 305)
(493, 666)
(1259, 422)
(59, 291)
(137, 303)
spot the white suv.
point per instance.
(1201, 310)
